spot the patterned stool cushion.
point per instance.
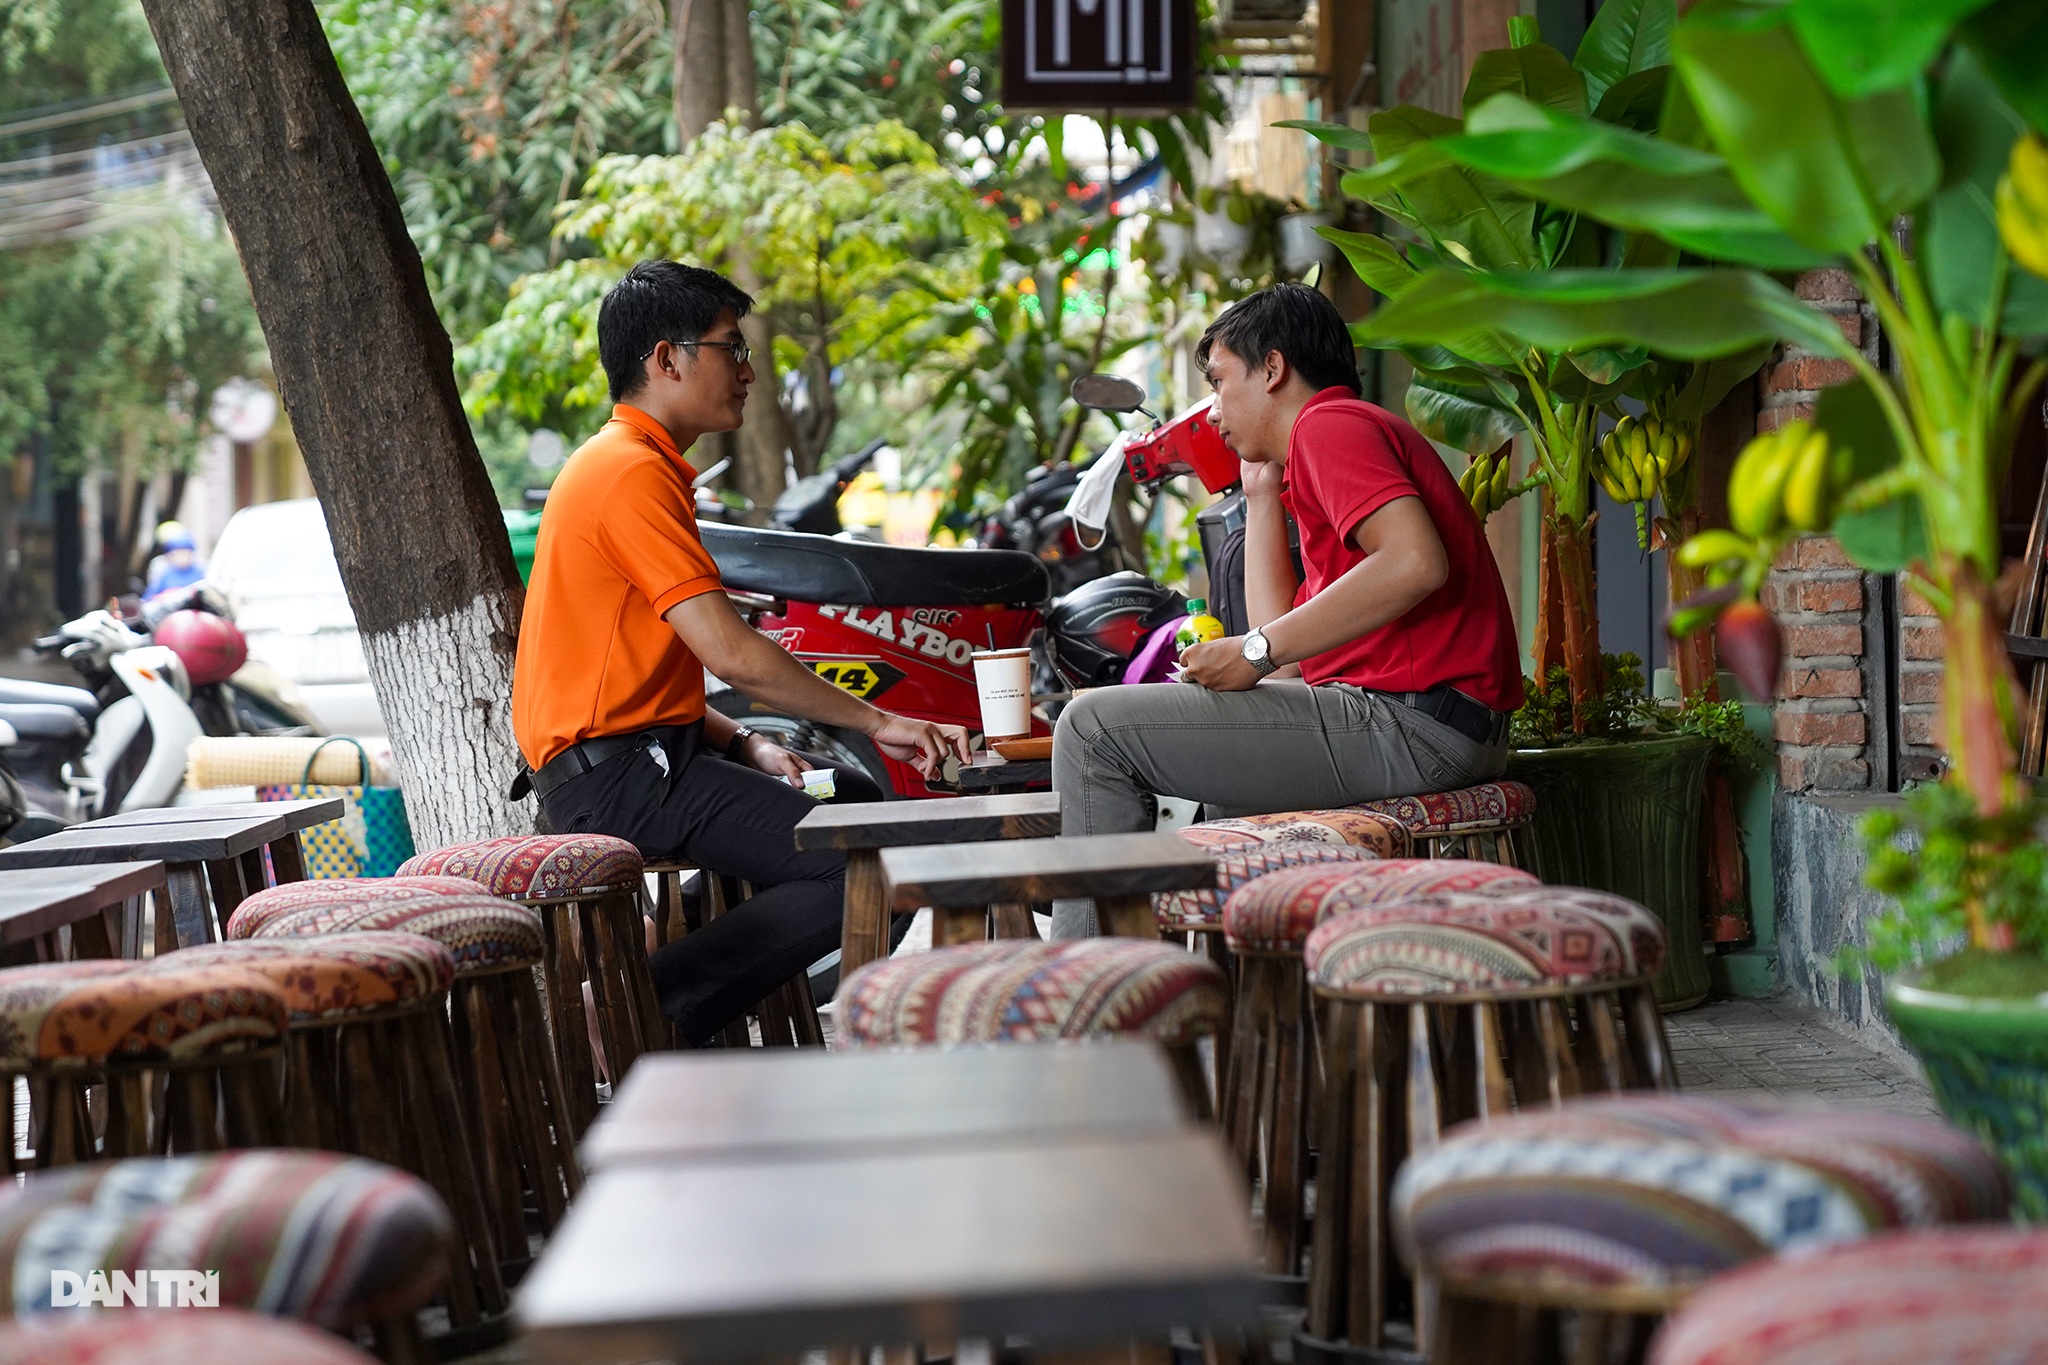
(1024, 991)
(1426, 945)
(1237, 864)
(135, 1337)
(1359, 828)
(258, 910)
(1962, 1296)
(484, 933)
(78, 1013)
(1276, 913)
(1659, 1192)
(332, 977)
(1490, 805)
(325, 1238)
(536, 866)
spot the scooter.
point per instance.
(900, 626)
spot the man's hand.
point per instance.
(765, 756)
(1219, 665)
(920, 743)
(1260, 478)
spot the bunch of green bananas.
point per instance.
(1789, 478)
(1485, 483)
(1639, 455)
(2023, 204)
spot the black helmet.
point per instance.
(1095, 629)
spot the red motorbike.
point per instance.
(899, 627)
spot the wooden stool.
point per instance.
(587, 889)
(1445, 1007)
(979, 993)
(510, 1087)
(1487, 823)
(334, 1241)
(1274, 1057)
(1381, 835)
(1900, 1298)
(1616, 1210)
(174, 1060)
(1120, 872)
(863, 830)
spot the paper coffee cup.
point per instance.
(1003, 679)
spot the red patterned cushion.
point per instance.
(335, 976)
(1961, 1296)
(536, 866)
(1359, 828)
(325, 1238)
(1427, 945)
(76, 1013)
(1660, 1191)
(1032, 992)
(258, 910)
(1489, 805)
(1236, 864)
(484, 933)
(1276, 913)
(136, 1337)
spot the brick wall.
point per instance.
(1830, 722)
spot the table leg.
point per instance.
(191, 908)
(285, 862)
(225, 877)
(1014, 921)
(90, 939)
(864, 935)
(958, 924)
(1127, 916)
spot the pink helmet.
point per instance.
(211, 647)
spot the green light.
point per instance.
(1102, 258)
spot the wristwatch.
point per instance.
(738, 741)
(1258, 652)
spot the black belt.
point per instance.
(579, 759)
(1474, 720)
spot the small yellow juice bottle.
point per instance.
(1199, 627)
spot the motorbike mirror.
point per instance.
(1108, 393)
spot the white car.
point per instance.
(276, 565)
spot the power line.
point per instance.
(37, 123)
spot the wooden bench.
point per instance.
(864, 830)
(1118, 871)
(39, 905)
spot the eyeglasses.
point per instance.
(740, 350)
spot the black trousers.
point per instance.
(698, 805)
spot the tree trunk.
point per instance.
(1572, 566)
(367, 377)
(1692, 656)
(1978, 711)
(1546, 637)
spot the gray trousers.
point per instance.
(1281, 746)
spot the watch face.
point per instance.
(1255, 646)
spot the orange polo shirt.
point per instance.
(618, 548)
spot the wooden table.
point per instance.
(755, 1105)
(37, 904)
(1118, 871)
(211, 865)
(1093, 1240)
(992, 773)
(866, 828)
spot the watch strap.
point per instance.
(738, 740)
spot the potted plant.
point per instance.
(1807, 122)
(1618, 803)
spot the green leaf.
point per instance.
(1863, 46)
(1888, 537)
(1464, 417)
(1636, 101)
(1606, 365)
(1394, 131)
(1956, 234)
(1477, 220)
(1707, 382)
(1831, 173)
(1684, 314)
(2009, 38)
(1884, 539)
(1625, 37)
(1538, 72)
(1378, 261)
(1334, 134)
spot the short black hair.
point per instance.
(1296, 321)
(659, 301)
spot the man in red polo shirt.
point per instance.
(1389, 667)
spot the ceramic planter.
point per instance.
(1625, 817)
(1297, 246)
(1987, 1061)
(1221, 238)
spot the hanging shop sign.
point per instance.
(1132, 56)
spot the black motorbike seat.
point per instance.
(33, 722)
(21, 692)
(855, 573)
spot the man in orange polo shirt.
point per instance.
(624, 609)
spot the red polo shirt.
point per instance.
(1346, 459)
